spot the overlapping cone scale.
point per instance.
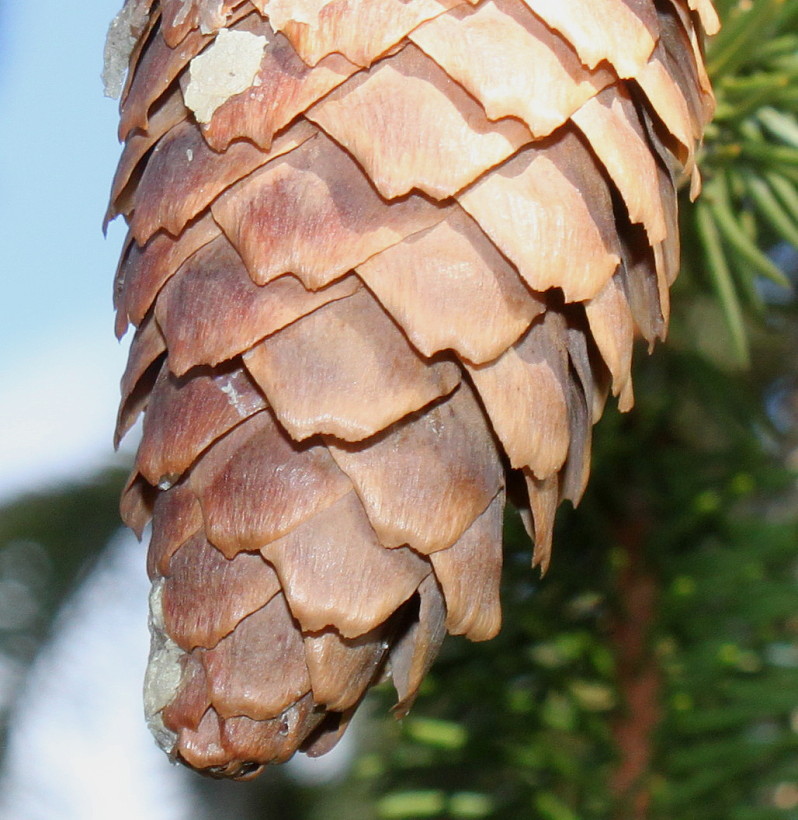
(384, 256)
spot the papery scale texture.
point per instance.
(398, 273)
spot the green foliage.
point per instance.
(46, 538)
(750, 158)
(727, 641)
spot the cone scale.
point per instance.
(384, 259)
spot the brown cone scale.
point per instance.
(385, 256)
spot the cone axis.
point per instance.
(385, 263)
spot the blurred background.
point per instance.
(652, 674)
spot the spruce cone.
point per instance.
(386, 260)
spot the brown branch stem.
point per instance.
(639, 679)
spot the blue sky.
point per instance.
(58, 149)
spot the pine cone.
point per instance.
(386, 260)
